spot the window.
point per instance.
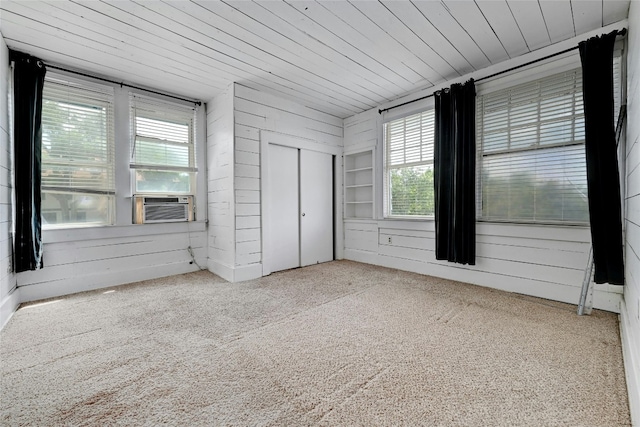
(531, 148)
(162, 149)
(78, 185)
(409, 165)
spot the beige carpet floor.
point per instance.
(336, 344)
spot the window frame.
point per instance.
(92, 91)
(537, 72)
(122, 217)
(162, 110)
(387, 167)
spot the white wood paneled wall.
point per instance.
(86, 259)
(221, 207)
(630, 313)
(255, 111)
(9, 298)
(543, 261)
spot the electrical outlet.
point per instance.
(389, 239)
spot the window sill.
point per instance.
(62, 235)
(493, 222)
(534, 224)
(409, 218)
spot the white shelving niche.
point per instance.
(358, 185)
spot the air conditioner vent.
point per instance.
(162, 209)
(163, 200)
(159, 213)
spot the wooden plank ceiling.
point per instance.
(340, 57)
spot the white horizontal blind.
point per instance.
(162, 152)
(409, 165)
(617, 85)
(531, 139)
(77, 138)
(163, 134)
(78, 184)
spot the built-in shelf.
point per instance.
(359, 169)
(358, 184)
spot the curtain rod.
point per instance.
(120, 83)
(621, 32)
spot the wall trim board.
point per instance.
(578, 234)
(114, 231)
(223, 270)
(521, 285)
(221, 201)
(269, 137)
(235, 274)
(8, 306)
(247, 272)
(358, 255)
(630, 339)
(568, 294)
(72, 285)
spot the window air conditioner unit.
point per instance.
(152, 209)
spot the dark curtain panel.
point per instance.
(28, 80)
(455, 173)
(603, 179)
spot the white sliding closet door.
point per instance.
(283, 204)
(299, 206)
(316, 207)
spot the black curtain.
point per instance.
(455, 173)
(28, 80)
(603, 178)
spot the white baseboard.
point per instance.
(630, 337)
(248, 272)
(8, 306)
(235, 273)
(72, 285)
(603, 298)
(223, 270)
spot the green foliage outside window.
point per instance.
(411, 191)
(75, 161)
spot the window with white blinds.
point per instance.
(78, 185)
(409, 165)
(531, 150)
(162, 147)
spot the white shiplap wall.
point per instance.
(78, 260)
(221, 207)
(9, 297)
(543, 261)
(630, 313)
(255, 111)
